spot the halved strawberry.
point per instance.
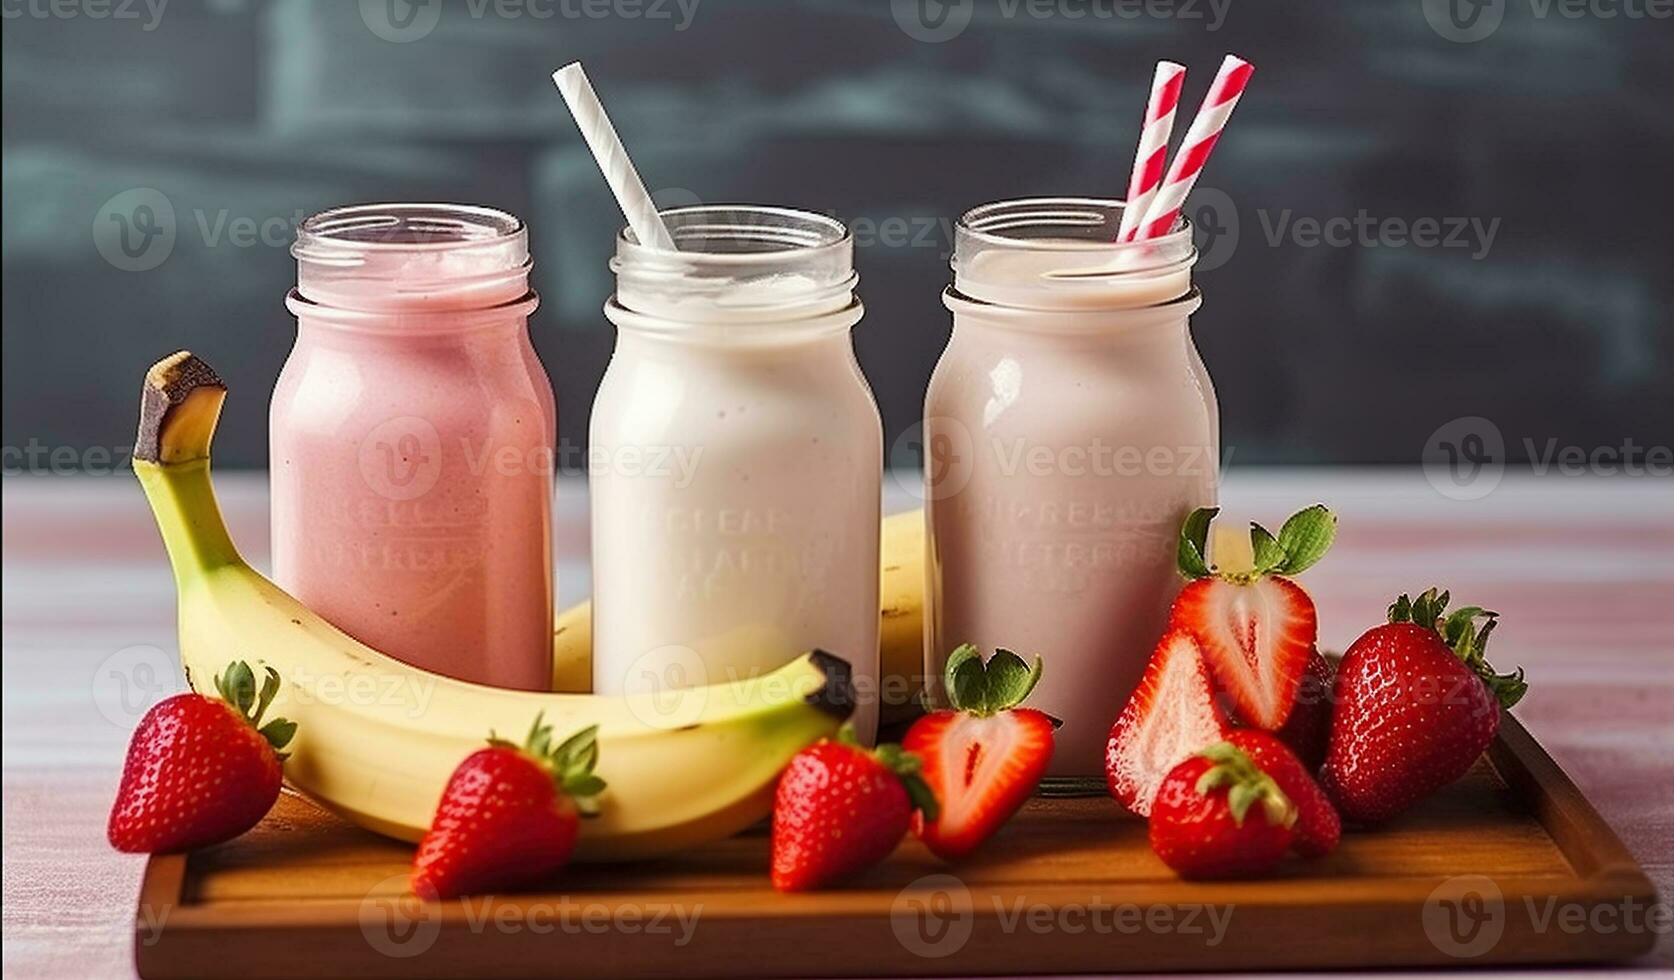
(1171, 715)
(983, 757)
(1257, 627)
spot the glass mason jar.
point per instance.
(1070, 427)
(735, 458)
(412, 435)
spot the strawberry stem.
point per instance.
(986, 689)
(1246, 785)
(1460, 632)
(905, 765)
(570, 762)
(237, 686)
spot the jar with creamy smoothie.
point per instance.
(411, 441)
(1070, 427)
(735, 458)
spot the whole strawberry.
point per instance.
(1218, 815)
(1416, 704)
(509, 815)
(984, 756)
(840, 809)
(1318, 827)
(201, 770)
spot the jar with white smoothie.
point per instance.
(1070, 427)
(736, 458)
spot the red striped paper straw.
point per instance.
(1195, 148)
(1152, 155)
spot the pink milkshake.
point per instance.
(1072, 427)
(412, 434)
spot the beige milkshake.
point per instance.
(1070, 427)
(736, 458)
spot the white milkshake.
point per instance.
(736, 458)
(1070, 427)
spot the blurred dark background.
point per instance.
(1499, 172)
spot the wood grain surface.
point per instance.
(1581, 570)
(1069, 886)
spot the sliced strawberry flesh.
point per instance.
(981, 769)
(1256, 638)
(1171, 715)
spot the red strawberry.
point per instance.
(1171, 714)
(1309, 725)
(1256, 627)
(509, 815)
(201, 770)
(984, 757)
(1416, 704)
(1218, 815)
(1318, 828)
(840, 809)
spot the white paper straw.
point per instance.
(612, 157)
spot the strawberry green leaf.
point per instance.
(1267, 551)
(967, 680)
(1010, 680)
(278, 733)
(1305, 538)
(1194, 542)
(237, 686)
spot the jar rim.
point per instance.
(786, 234)
(346, 233)
(989, 223)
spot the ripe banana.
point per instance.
(900, 637)
(377, 739)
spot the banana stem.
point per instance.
(183, 501)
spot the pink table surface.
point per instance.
(1582, 571)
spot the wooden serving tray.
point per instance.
(1510, 865)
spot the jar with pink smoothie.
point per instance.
(1070, 426)
(411, 440)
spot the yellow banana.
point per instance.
(900, 637)
(377, 739)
